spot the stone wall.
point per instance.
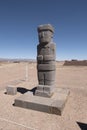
(75, 63)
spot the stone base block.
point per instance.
(11, 90)
(53, 105)
(44, 91)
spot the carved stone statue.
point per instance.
(45, 61)
(41, 98)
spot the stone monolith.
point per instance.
(46, 54)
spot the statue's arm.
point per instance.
(39, 56)
(52, 55)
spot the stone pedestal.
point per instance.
(52, 105)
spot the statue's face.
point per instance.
(45, 36)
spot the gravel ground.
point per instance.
(74, 116)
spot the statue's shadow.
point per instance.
(83, 126)
(24, 90)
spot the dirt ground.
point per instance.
(74, 116)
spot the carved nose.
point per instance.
(42, 34)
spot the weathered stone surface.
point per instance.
(46, 67)
(11, 90)
(53, 105)
(46, 27)
(45, 57)
(48, 89)
(44, 91)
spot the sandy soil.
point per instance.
(74, 113)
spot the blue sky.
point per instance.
(18, 27)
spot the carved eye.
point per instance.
(42, 34)
(45, 32)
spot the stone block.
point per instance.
(11, 90)
(49, 88)
(44, 90)
(53, 105)
(43, 93)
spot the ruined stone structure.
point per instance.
(45, 60)
(76, 63)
